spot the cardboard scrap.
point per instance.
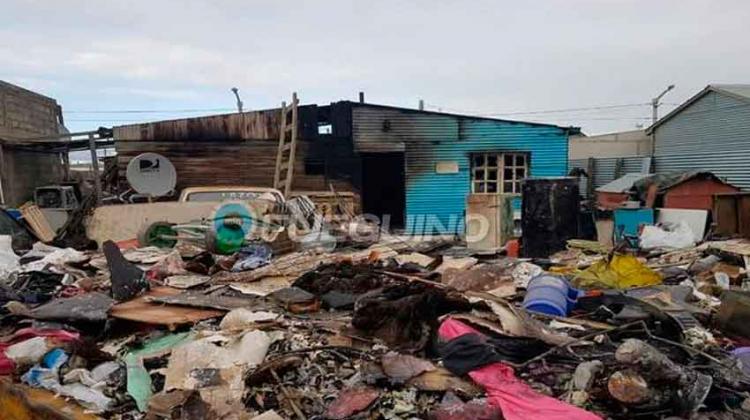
(215, 365)
(402, 367)
(414, 258)
(141, 309)
(138, 379)
(440, 379)
(241, 318)
(458, 263)
(263, 287)
(268, 415)
(493, 279)
(186, 281)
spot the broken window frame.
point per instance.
(487, 184)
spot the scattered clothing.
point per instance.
(517, 400)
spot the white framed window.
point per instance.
(498, 172)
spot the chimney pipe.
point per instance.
(361, 97)
(421, 104)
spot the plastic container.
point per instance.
(550, 210)
(551, 295)
(743, 355)
(14, 213)
(512, 247)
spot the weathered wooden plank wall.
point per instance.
(256, 125)
(230, 149)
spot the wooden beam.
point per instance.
(65, 155)
(2, 175)
(591, 169)
(95, 166)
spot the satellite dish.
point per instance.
(151, 174)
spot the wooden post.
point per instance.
(66, 163)
(95, 166)
(2, 175)
(591, 169)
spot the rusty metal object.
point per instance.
(628, 387)
(638, 353)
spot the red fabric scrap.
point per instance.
(26, 333)
(516, 399)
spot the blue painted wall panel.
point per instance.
(427, 138)
(438, 201)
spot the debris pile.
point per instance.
(398, 329)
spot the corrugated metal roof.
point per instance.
(622, 184)
(604, 169)
(713, 134)
(739, 91)
(570, 129)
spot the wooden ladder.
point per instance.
(282, 178)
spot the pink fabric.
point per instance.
(517, 400)
(451, 328)
(26, 333)
(7, 366)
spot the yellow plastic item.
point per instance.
(623, 271)
(562, 269)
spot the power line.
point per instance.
(549, 111)
(155, 111)
(440, 107)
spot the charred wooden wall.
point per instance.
(238, 149)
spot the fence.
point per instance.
(605, 170)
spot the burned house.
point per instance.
(414, 167)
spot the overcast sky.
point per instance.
(477, 57)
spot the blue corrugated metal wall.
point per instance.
(433, 198)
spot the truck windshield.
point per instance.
(223, 195)
(49, 198)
